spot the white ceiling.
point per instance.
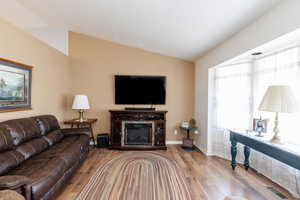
(53, 35)
(288, 40)
(182, 28)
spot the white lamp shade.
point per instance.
(81, 102)
(279, 98)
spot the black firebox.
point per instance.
(138, 134)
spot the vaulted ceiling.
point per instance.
(181, 28)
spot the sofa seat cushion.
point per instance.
(69, 149)
(44, 173)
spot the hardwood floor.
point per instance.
(210, 178)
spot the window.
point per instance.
(239, 88)
(237, 92)
(232, 82)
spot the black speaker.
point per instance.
(103, 140)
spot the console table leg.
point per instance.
(233, 154)
(247, 155)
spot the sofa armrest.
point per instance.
(77, 131)
(13, 182)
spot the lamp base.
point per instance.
(81, 118)
(276, 140)
(276, 137)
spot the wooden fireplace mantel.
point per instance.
(158, 117)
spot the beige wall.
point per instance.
(51, 72)
(94, 63)
(90, 69)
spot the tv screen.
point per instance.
(140, 89)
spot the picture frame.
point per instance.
(15, 86)
(185, 124)
(260, 125)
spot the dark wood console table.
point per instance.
(156, 118)
(285, 153)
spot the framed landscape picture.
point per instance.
(15, 86)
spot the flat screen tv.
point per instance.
(145, 90)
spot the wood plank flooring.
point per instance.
(210, 178)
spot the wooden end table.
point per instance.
(88, 123)
(188, 143)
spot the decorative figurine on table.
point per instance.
(188, 143)
(260, 126)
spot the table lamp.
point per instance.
(81, 103)
(279, 99)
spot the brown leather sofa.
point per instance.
(37, 157)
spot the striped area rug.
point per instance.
(137, 176)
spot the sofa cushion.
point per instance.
(68, 150)
(9, 160)
(6, 141)
(22, 130)
(74, 151)
(32, 147)
(13, 182)
(47, 123)
(44, 173)
(46, 177)
(71, 155)
(54, 137)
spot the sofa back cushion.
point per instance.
(22, 130)
(9, 160)
(8, 157)
(6, 141)
(32, 147)
(23, 138)
(54, 137)
(46, 123)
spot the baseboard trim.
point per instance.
(204, 151)
(173, 142)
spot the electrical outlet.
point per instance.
(175, 132)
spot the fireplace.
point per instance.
(138, 129)
(136, 133)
